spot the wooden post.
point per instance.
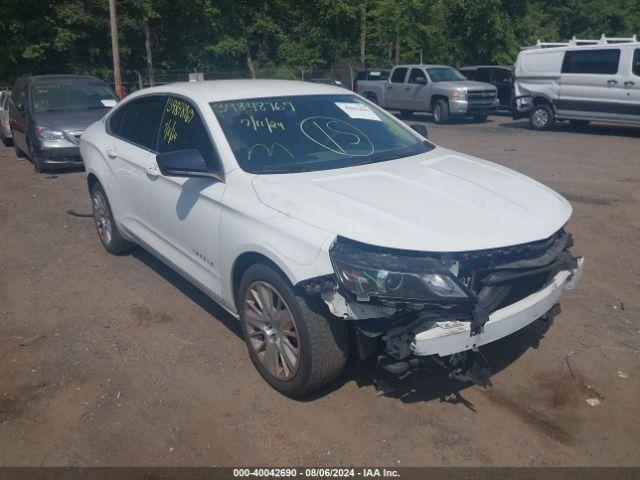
(115, 49)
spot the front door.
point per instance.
(415, 91)
(186, 212)
(629, 109)
(590, 83)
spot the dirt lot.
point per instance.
(137, 367)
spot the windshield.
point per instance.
(315, 132)
(445, 74)
(64, 96)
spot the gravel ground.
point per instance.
(137, 367)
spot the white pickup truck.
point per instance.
(439, 89)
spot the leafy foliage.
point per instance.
(284, 36)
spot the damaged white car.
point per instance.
(325, 223)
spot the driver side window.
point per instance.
(415, 74)
(183, 129)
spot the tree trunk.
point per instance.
(115, 49)
(397, 59)
(147, 47)
(250, 63)
(363, 33)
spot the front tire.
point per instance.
(293, 347)
(542, 117)
(441, 112)
(37, 165)
(108, 232)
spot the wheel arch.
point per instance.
(243, 262)
(543, 100)
(435, 98)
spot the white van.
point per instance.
(579, 81)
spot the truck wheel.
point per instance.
(541, 117)
(293, 347)
(441, 112)
(108, 232)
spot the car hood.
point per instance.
(69, 121)
(439, 201)
(468, 84)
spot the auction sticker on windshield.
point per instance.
(358, 110)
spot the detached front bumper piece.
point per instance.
(448, 337)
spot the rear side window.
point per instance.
(635, 66)
(19, 93)
(483, 75)
(501, 76)
(398, 75)
(137, 121)
(183, 129)
(595, 62)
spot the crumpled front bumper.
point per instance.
(448, 337)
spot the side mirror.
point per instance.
(184, 163)
(421, 80)
(421, 129)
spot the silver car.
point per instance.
(5, 128)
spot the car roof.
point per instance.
(220, 90)
(417, 65)
(53, 78)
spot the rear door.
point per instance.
(395, 88)
(590, 83)
(629, 109)
(131, 156)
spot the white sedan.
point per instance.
(323, 223)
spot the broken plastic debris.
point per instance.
(622, 374)
(594, 402)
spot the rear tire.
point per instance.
(280, 325)
(542, 117)
(108, 232)
(441, 112)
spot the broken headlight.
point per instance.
(371, 272)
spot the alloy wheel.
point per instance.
(102, 218)
(272, 330)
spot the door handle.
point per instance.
(612, 82)
(153, 170)
(629, 83)
(111, 153)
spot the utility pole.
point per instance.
(115, 49)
